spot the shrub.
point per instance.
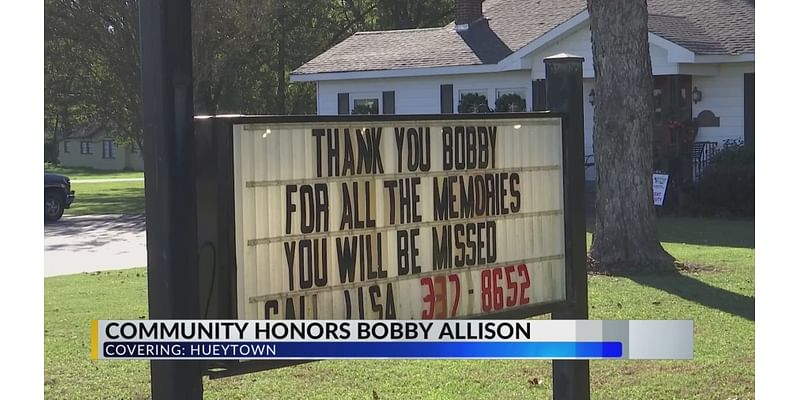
(473, 103)
(510, 102)
(727, 186)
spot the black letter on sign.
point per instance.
(270, 308)
(306, 202)
(402, 252)
(290, 207)
(290, 247)
(346, 253)
(318, 133)
(447, 148)
(399, 133)
(306, 269)
(375, 300)
(515, 206)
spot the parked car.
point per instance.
(57, 196)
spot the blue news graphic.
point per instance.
(356, 350)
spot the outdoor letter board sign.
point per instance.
(383, 217)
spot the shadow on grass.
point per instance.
(701, 231)
(700, 292)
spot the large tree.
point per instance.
(625, 236)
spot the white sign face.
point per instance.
(659, 188)
(426, 219)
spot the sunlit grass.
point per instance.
(720, 301)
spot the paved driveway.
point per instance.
(93, 243)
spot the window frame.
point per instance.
(88, 147)
(66, 146)
(108, 149)
(377, 96)
(521, 91)
(462, 92)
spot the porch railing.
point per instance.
(702, 153)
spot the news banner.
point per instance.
(384, 339)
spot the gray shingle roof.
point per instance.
(89, 131)
(720, 27)
(683, 32)
(729, 23)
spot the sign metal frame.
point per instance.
(214, 183)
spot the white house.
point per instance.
(93, 146)
(703, 57)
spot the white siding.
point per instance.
(579, 43)
(724, 96)
(420, 95)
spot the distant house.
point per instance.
(703, 58)
(93, 146)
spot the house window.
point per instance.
(365, 104)
(66, 146)
(85, 149)
(108, 149)
(511, 100)
(473, 101)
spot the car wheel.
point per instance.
(53, 206)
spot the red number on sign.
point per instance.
(457, 296)
(486, 290)
(429, 298)
(497, 276)
(440, 288)
(511, 300)
(522, 269)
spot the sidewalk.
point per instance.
(91, 243)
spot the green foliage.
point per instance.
(473, 103)
(243, 52)
(727, 186)
(364, 108)
(510, 102)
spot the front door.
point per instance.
(674, 132)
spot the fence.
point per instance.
(702, 153)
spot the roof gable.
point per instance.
(714, 27)
(89, 131)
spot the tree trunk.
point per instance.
(625, 237)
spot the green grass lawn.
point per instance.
(89, 173)
(107, 198)
(721, 301)
(103, 197)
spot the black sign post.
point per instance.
(564, 74)
(166, 54)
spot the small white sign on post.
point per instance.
(659, 188)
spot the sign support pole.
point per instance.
(172, 278)
(564, 80)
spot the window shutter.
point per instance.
(539, 95)
(388, 102)
(446, 99)
(344, 103)
(750, 109)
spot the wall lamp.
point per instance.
(697, 95)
